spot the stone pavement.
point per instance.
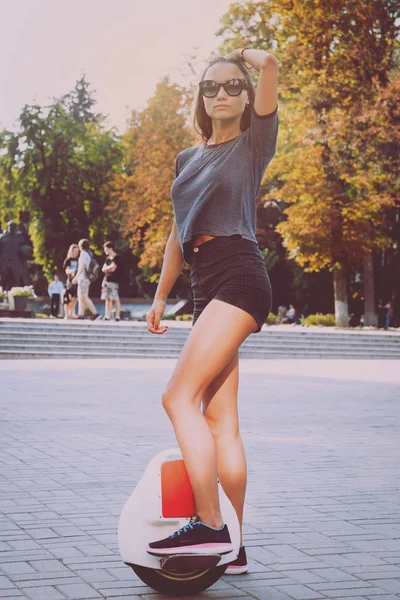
(323, 504)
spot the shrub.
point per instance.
(271, 319)
(320, 319)
(26, 291)
(184, 317)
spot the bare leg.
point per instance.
(71, 307)
(221, 413)
(90, 305)
(81, 305)
(108, 306)
(117, 309)
(67, 310)
(211, 345)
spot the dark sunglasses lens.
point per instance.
(209, 89)
(234, 88)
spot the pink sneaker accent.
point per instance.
(238, 566)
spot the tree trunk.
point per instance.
(370, 316)
(341, 303)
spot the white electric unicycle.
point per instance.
(161, 503)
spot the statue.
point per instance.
(14, 253)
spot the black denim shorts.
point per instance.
(231, 269)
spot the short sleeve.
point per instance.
(177, 166)
(262, 134)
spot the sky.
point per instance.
(123, 46)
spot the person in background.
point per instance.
(381, 314)
(83, 281)
(112, 270)
(281, 316)
(389, 313)
(55, 290)
(291, 314)
(70, 267)
(297, 316)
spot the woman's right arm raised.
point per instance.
(171, 269)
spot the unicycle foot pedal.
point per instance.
(183, 562)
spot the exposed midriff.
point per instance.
(199, 239)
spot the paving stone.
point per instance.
(300, 592)
(384, 597)
(263, 593)
(339, 585)
(15, 568)
(332, 597)
(322, 514)
(390, 574)
(25, 545)
(334, 574)
(128, 597)
(302, 576)
(43, 593)
(49, 566)
(345, 593)
(43, 533)
(66, 552)
(389, 585)
(249, 582)
(6, 583)
(4, 546)
(78, 591)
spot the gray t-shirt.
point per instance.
(216, 186)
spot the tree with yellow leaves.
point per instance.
(337, 59)
(141, 196)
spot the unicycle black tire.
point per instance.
(167, 584)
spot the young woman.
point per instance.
(214, 201)
(71, 267)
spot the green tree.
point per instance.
(60, 165)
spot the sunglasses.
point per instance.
(233, 87)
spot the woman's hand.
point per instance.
(235, 55)
(154, 316)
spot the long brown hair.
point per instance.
(201, 121)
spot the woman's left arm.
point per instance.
(267, 65)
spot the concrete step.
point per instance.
(181, 333)
(146, 338)
(169, 344)
(266, 355)
(85, 339)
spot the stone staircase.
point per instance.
(37, 338)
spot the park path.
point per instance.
(323, 504)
